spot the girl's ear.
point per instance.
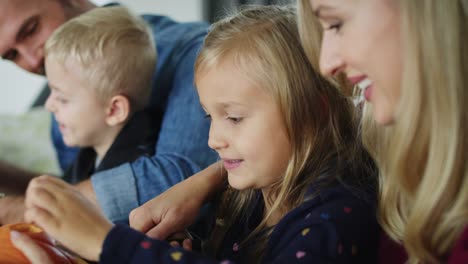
(118, 110)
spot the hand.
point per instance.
(181, 237)
(31, 250)
(178, 207)
(63, 212)
(11, 210)
(86, 188)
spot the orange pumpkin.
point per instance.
(9, 254)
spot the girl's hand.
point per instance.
(31, 250)
(184, 237)
(64, 213)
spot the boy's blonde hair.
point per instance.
(115, 49)
(263, 42)
(422, 158)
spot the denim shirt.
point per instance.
(181, 149)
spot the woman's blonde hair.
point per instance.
(115, 50)
(263, 42)
(422, 158)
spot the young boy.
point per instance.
(99, 89)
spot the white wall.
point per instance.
(18, 89)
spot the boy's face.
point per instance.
(77, 109)
(247, 129)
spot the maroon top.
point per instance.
(459, 253)
(392, 253)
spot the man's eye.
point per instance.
(31, 28)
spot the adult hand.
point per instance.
(177, 208)
(30, 249)
(64, 213)
(11, 209)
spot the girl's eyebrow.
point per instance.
(226, 105)
(230, 104)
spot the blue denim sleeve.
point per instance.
(181, 150)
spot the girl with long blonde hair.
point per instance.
(411, 60)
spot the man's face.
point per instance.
(25, 26)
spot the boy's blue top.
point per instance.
(181, 149)
(335, 227)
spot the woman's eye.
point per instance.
(208, 116)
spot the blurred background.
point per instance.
(20, 89)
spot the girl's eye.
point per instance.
(335, 27)
(208, 116)
(235, 120)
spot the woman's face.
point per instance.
(362, 39)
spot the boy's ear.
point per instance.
(118, 110)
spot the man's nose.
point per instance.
(31, 59)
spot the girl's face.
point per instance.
(362, 39)
(247, 129)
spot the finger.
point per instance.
(37, 195)
(42, 218)
(181, 235)
(32, 251)
(52, 180)
(162, 230)
(55, 185)
(174, 244)
(187, 244)
(141, 220)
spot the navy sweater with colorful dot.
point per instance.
(337, 226)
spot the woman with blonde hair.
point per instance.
(410, 59)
